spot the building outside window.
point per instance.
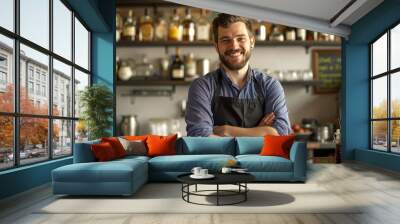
(30, 87)
(385, 91)
(34, 77)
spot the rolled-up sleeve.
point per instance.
(275, 102)
(199, 118)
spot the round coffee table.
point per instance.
(238, 179)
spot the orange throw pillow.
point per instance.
(103, 152)
(161, 145)
(277, 145)
(116, 145)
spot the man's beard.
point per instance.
(235, 66)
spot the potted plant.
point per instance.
(96, 102)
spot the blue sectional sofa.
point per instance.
(125, 176)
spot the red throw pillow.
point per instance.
(161, 145)
(277, 145)
(103, 151)
(116, 145)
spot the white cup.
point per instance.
(196, 171)
(203, 172)
(226, 170)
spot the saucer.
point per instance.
(208, 176)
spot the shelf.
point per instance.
(307, 44)
(147, 3)
(186, 83)
(153, 83)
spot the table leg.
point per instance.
(245, 191)
(196, 188)
(217, 194)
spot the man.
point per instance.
(235, 100)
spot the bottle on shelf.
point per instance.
(276, 34)
(117, 27)
(177, 66)
(146, 29)
(160, 28)
(260, 31)
(203, 27)
(129, 30)
(188, 27)
(190, 66)
(290, 34)
(301, 34)
(175, 28)
(312, 35)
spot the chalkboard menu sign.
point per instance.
(327, 67)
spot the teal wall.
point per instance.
(103, 53)
(99, 15)
(356, 101)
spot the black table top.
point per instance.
(220, 178)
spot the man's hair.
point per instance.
(224, 20)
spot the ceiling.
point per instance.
(328, 16)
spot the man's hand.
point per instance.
(223, 130)
(267, 120)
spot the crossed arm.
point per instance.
(199, 117)
(263, 128)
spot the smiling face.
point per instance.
(234, 45)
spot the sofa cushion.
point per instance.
(257, 163)
(185, 163)
(117, 146)
(83, 152)
(161, 145)
(249, 145)
(111, 171)
(103, 152)
(202, 145)
(133, 147)
(277, 145)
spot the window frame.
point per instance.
(388, 74)
(16, 114)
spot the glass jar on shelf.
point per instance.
(125, 71)
(144, 69)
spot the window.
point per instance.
(45, 131)
(44, 91)
(38, 89)
(81, 45)
(30, 87)
(35, 22)
(3, 72)
(3, 78)
(7, 86)
(7, 14)
(385, 94)
(30, 72)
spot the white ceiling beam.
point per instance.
(266, 14)
(348, 12)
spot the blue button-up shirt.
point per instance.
(199, 116)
